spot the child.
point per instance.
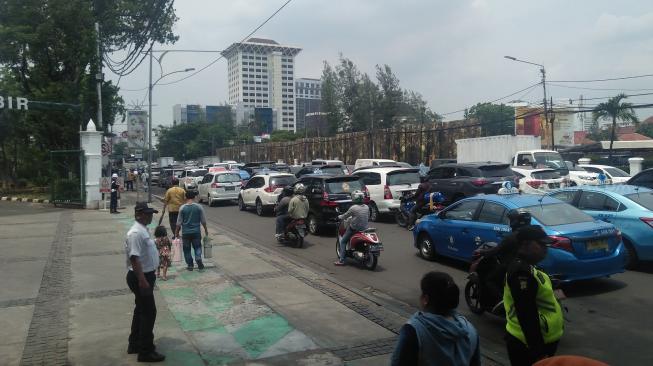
(164, 246)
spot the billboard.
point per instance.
(530, 121)
(137, 128)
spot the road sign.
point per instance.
(106, 149)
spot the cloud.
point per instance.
(624, 28)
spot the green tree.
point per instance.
(280, 135)
(495, 119)
(645, 129)
(391, 95)
(615, 109)
(331, 101)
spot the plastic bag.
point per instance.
(176, 250)
(208, 247)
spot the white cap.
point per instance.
(114, 175)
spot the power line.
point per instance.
(604, 89)
(495, 100)
(221, 56)
(598, 80)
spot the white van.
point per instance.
(362, 163)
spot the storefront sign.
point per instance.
(17, 103)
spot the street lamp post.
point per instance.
(149, 124)
(546, 114)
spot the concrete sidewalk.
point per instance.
(65, 301)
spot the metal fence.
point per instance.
(67, 175)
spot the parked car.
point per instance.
(457, 181)
(383, 185)
(281, 167)
(331, 169)
(220, 186)
(580, 176)
(166, 180)
(190, 178)
(326, 162)
(642, 179)
(360, 163)
(629, 208)
(582, 247)
(249, 167)
(613, 175)
(262, 190)
(328, 197)
(538, 181)
(437, 162)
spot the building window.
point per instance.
(258, 81)
(258, 70)
(265, 101)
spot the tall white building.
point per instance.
(261, 74)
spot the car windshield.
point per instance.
(644, 199)
(282, 181)
(551, 160)
(547, 174)
(554, 214)
(336, 170)
(198, 173)
(403, 178)
(343, 185)
(227, 178)
(616, 172)
(496, 171)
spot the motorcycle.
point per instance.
(365, 247)
(294, 233)
(407, 202)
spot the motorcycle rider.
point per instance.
(534, 320)
(420, 201)
(298, 205)
(282, 210)
(360, 214)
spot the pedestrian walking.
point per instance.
(191, 215)
(142, 262)
(164, 246)
(437, 335)
(175, 197)
(129, 182)
(144, 179)
(115, 187)
(534, 320)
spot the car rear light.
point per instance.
(647, 220)
(479, 182)
(325, 201)
(535, 183)
(215, 185)
(560, 242)
(387, 194)
(271, 188)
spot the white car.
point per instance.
(385, 186)
(361, 163)
(613, 175)
(190, 178)
(220, 186)
(539, 180)
(581, 176)
(262, 190)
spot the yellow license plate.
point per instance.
(597, 245)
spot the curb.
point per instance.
(23, 199)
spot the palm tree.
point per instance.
(616, 110)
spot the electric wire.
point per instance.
(495, 100)
(600, 80)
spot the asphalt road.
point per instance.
(608, 319)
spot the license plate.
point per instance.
(376, 248)
(597, 245)
(232, 188)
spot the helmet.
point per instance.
(299, 188)
(287, 191)
(519, 218)
(357, 197)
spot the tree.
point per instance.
(645, 129)
(280, 135)
(614, 109)
(390, 95)
(331, 99)
(495, 119)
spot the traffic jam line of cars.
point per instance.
(597, 229)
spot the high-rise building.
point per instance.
(194, 113)
(261, 74)
(308, 101)
(179, 115)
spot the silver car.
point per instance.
(219, 186)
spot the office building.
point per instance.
(261, 75)
(308, 102)
(195, 113)
(179, 116)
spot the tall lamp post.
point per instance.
(546, 114)
(149, 124)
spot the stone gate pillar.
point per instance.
(91, 143)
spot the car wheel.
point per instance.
(426, 247)
(374, 212)
(209, 200)
(631, 255)
(241, 203)
(313, 226)
(260, 210)
(473, 296)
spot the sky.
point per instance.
(452, 52)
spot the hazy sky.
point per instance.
(450, 51)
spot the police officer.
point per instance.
(534, 320)
(142, 261)
(113, 205)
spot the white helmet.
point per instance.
(357, 197)
(299, 188)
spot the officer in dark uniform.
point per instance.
(113, 206)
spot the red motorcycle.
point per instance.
(365, 247)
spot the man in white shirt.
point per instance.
(142, 261)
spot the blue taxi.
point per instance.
(583, 247)
(629, 208)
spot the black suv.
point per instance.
(457, 181)
(322, 169)
(328, 197)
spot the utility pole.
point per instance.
(546, 110)
(372, 128)
(149, 135)
(99, 77)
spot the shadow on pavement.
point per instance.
(592, 287)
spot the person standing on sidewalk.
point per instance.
(115, 187)
(142, 262)
(129, 182)
(174, 198)
(191, 215)
(437, 335)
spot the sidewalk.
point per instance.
(65, 301)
